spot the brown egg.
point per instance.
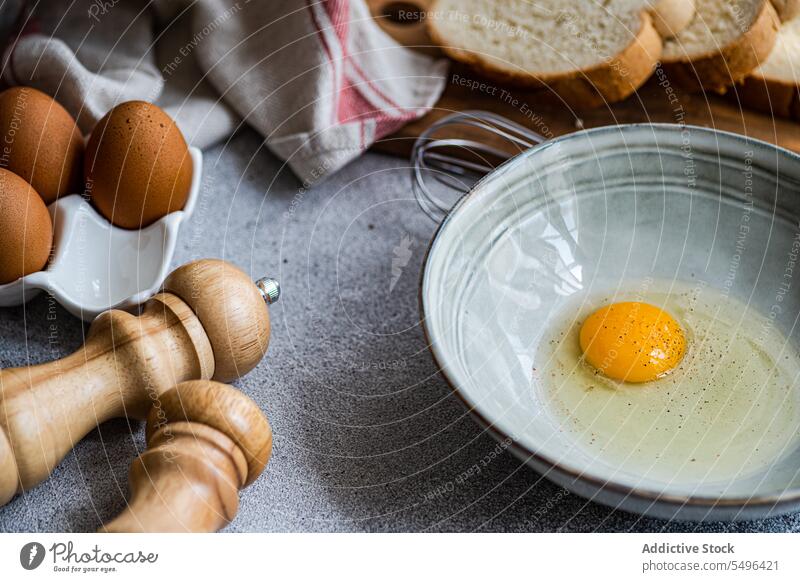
(26, 231)
(40, 142)
(137, 165)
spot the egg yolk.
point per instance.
(632, 341)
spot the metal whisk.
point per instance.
(445, 168)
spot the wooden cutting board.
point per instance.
(541, 111)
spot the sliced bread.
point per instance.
(726, 40)
(774, 87)
(588, 52)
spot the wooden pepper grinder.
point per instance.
(205, 442)
(211, 321)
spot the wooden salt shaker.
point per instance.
(211, 321)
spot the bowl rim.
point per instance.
(774, 502)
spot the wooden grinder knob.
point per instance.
(211, 321)
(205, 442)
(231, 309)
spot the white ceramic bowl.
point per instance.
(97, 266)
(588, 211)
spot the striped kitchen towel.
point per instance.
(318, 79)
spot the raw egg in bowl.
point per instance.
(623, 304)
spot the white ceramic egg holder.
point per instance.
(96, 266)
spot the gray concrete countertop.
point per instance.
(367, 436)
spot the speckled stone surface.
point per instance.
(367, 436)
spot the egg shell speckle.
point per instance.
(41, 142)
(26, 231)
(137, 165)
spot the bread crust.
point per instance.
(718, 70)
(787, 9)
(606, 82)
(779, 98)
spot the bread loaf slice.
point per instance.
(588, 52)
(774, 87)
(726, 40)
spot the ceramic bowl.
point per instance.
(590, 211)
(97, 266)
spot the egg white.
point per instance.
(730, 409)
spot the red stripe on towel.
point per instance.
(351, 103)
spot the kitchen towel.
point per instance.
(318, 79)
